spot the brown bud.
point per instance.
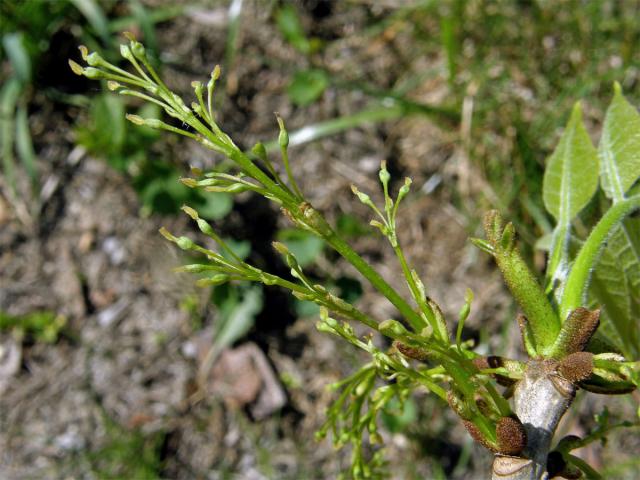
(481, 363)
(476, 434)
(411, 352)
(577, 330)
(512, 437)
(576, 367)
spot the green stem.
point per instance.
(353, 314)
(524, 287)
(415, 292)
(287, 167)
(376, 280)
(585, 261)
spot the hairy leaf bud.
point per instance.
(512, 437)
(576, 367)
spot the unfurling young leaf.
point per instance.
(619, 148)
(570, 180)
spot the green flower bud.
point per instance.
(194, 268)
(205, 227)
(384, 174)
(196, 171)
(363, 197)
(324, 327)
(136, 119)
(268, 279)
(166, 234)
(215, 74)
(95, 60)
(189, 182)
(76, 68)
(237, 188)
(283, 137)
(84, 51)
(125, 52)
(94, 73)
(392, 328)
(190, 211)
(138, 50)
(154, 123)
(218, 279)
(404, 190)
(281, 248)
(259, 151)
(185, 243)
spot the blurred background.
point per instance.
(100, 341)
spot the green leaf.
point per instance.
(619, 147)
(18, 56)
(240, 318)
(24, 145)
(8, 99)
(216, 205)
(570, 180)
(303, 245)
(397, 416)
(291, 28)
(106, 132)
(615, 285)
(307, 86)
(571, 177)
(305, 309)
(95, 16)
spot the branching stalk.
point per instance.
(578, 279)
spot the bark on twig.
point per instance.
(541, 398)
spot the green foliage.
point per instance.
(616, 279)
(26, 31)
(619, 148)
(40, 326)
(571, 176)
(303, 245)
(570, 180)
(237, 311)
(127, 454)
(291, 29)
(616, 284)
(607, 269)
(307, 86)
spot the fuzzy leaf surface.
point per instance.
(570, 180)
(571, 176)
(616, 285)
(619, 148)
